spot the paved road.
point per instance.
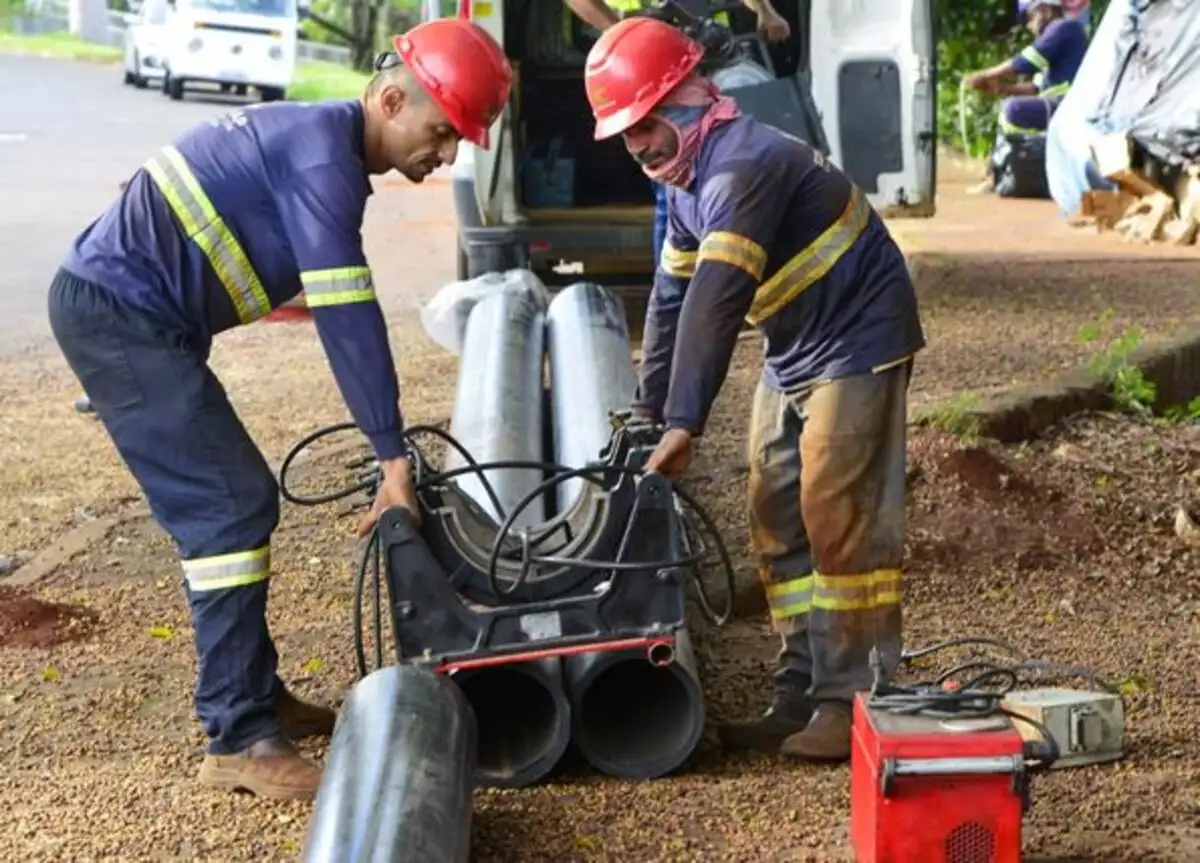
(69, 133)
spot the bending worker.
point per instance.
(600, 14)
(763, 229)
(1053, 59)
(215, 232)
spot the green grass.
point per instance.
(314, 80)
(317, 80)
(62, 45)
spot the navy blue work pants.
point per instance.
(207, 484)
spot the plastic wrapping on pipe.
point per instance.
(632, 718)
(498, 406)
(591, 374)
(398, 779)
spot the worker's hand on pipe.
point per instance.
(982, 82)
(396, 489)
(773, 27)
(673, 455)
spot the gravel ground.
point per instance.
(99, 727)
(1072, 558)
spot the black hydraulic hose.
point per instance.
(425, 477)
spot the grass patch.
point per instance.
(318, 80)
(64, 45)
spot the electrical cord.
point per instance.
(425, 477)
(943, 698)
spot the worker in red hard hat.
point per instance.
(763, 228)
(215, 231)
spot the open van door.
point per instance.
(874, 80)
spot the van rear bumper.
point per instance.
(607, 247)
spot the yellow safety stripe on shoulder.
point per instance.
(208, 230)
(812, 263)
(1059, 89)
(676, 262)
(790, 598)
(338, 286)
(228, 570)
(624, 5)
(1034, 56)
(857, 592)
(735, 250)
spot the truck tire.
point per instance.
(270, 94)
(175, 88)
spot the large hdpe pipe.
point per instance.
(637, 714)
(591, 374)
(498, 406)
(524, 720)
(398, 780)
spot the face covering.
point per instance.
(692, 110)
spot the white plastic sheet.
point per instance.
(444, 318)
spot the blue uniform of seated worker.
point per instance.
(1052, 61)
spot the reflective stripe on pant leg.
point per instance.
(853, 504)
(228, 570)
(777, 531)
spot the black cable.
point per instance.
(425, 478)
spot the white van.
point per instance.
(233, 44)
(857, 79)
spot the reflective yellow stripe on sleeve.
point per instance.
(812, 263)
(228, 570)
(1060, 89)
(676, 262)
(735, 250)
(1035, 58)
(338, 286)
(790, 598)
(205, 227)
(857, 592)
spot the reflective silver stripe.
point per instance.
(338, 286)
(208, 230)
(228, 570)
(857, 592)
(790, 598)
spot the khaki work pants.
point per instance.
(827, 494)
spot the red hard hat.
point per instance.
(463, 68)
(632, 66)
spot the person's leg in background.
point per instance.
(1025, 115)
(210, 489)
(852, 499)
(785, 568)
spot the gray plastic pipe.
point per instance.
(398, 780)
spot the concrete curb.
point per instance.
(1024, 412)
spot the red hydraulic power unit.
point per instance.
(935, 789)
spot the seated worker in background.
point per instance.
(1052, 60)
(1060, 44)
(772, 26)
(764, 229)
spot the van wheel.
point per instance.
(270, 94)
(128, 77)
(175, 88)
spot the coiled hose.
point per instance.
(426, 477)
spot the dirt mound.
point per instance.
(29, 622)
(974, 504)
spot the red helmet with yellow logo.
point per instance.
(632, 66)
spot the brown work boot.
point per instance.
(268, 768)
(827, 737)
(301, 719)
(765, 734)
